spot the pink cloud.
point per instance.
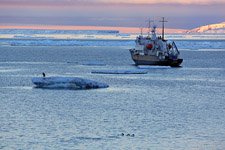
(106, 2)
(196, 2)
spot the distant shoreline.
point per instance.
(120, 29)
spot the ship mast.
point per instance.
(163, 21)
(149, 26)
(141, 31)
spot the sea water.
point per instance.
(167, 108)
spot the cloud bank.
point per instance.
(108, 2)
(128, 13)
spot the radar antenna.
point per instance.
(149, 26)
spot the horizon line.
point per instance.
(69, 27)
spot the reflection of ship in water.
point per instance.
(155, 50)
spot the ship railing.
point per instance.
(135, 51)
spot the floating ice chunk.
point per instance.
(66, 83)
(70, 62)
(119, 71)
(153, 67)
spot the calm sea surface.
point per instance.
(168, 108)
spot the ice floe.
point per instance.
(67, 83)
(136, 71)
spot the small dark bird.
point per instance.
(128, 134)
(132, 135)
(43, 74)
(122, 134)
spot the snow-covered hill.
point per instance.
(212, 28)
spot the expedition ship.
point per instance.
(153, 50)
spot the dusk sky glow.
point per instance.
(131, 13)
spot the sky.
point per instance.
(180, 14)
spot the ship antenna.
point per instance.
(141, 31)
(149, 26)
(163, 21)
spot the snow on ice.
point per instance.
(66, 83)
